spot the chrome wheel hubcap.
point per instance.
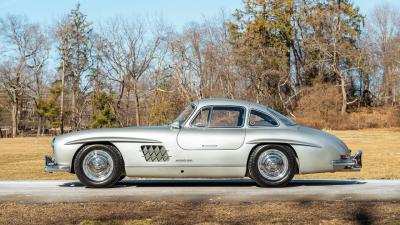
(98, 165)
(273, 164)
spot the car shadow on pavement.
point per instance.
(216, 183)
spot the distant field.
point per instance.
(23, 158)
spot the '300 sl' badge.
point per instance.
(183, 160)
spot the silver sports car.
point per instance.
(211, 138)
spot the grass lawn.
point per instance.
(23, 158)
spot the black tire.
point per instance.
(122, 177)
(263, 181)
(115, 172)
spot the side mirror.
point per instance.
(176, 125)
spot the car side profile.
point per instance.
(211, 138)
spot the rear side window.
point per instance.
(286, 120)
(226, 116)
(260, 119)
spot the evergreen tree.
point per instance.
(105, 116)
(262, 37)
(49, 108)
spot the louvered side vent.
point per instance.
(155, 153)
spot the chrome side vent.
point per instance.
(155, 153)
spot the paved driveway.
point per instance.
(241, 190)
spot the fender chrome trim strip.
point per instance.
(191, 165)
(258, 141)
(112, 139)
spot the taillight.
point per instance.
(344, 156)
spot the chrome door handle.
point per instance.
(208, 146)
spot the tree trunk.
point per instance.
(258, 93)
(14, 116)
(62, 99)
(43, 127)
(137, 103)
(344, 94)
(73, 106)
(39, 127)
(118, 111)
(393, 93)
(128, 98)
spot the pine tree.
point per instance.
(104, 116)
(262, 38)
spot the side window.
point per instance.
(261, 119)
(201, 119)
(226, 116)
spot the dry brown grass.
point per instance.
(363, 118)
(23, 158)
(146, 213)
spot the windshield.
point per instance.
(286, 120)
(184, 115)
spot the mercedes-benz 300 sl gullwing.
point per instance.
(211, 138)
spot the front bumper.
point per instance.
(51, 166)
(354, 163)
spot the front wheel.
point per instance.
(272, 165)
(99, 165)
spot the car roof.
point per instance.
(231, 102)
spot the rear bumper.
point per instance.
(354, 163)
(51, 166)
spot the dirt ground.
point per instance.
(23, 158)
(202, 213)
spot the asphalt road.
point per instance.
(242, 190)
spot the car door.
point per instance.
(214, 128)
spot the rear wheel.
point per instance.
(272, 165)
(99, 165)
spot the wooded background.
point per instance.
(321, 62)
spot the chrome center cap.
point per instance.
(98, 163)
(273, 164)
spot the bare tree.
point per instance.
(202, 63)
(74, 35)
(39, 49)
(330, 35)
(14, 75)
(384, 35)
(181, 73)
(129, 50)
